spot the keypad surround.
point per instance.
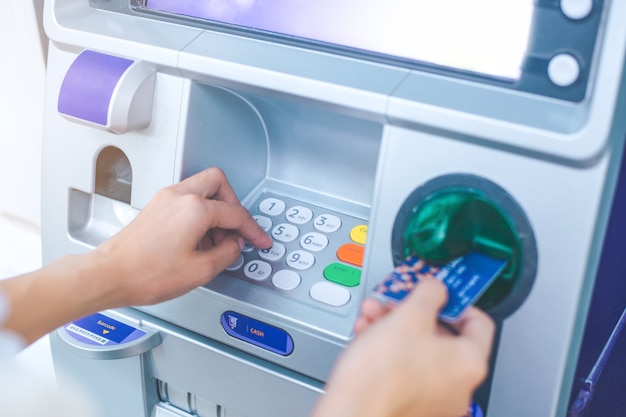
(308, 260)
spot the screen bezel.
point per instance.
(552, 33)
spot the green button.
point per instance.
(343, 274)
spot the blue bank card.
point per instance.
(466, 277)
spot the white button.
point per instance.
(327, 223)
(299, 215)
(300, 259)
(264, 222)
(274, 253)
(329, 293)
(235, 265)
(286, 279)
(285, 232)
(563, 70)
(272, 206)
(248, 247)
(314, 241)
(257, 270)
(576, 9)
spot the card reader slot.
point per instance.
(455, 214)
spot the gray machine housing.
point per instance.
(345, 133)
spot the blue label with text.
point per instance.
(257, 333)
(99, 329)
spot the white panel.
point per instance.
(22, 79)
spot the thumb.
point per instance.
(221, 255)
(425, 302)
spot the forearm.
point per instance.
(67, 289)
(163, 253)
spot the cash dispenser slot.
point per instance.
(453, 215)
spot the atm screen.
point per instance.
(484, 36)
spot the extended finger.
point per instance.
(227, 216)
(210, 183)
(371, 311)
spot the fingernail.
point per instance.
(241, 243)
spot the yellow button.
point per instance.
(358, 234)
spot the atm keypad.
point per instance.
(317, 253)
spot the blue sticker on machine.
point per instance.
(475, 411)
(466, 278)
(99, 329)
(257, 333)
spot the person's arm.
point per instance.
(183, 238)
(404, 364)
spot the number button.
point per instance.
(300, 260)
(248, 247)
(285, 232)
(235, 265)
(314, 241)
(274, 253)
(264, 222)
(299, 215)
(257, 270)
(327, 223)
(272, 206)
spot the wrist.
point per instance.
(69, 288)
(97, 275)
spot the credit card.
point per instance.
(466, 277)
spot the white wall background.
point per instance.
(22, 79)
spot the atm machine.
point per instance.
(356, 133)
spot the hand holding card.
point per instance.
(424, 369)
(466, 278)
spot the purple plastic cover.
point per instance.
(88, 86)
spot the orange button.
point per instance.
(351, 253)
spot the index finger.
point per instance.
(234, 217)
(210, 183)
